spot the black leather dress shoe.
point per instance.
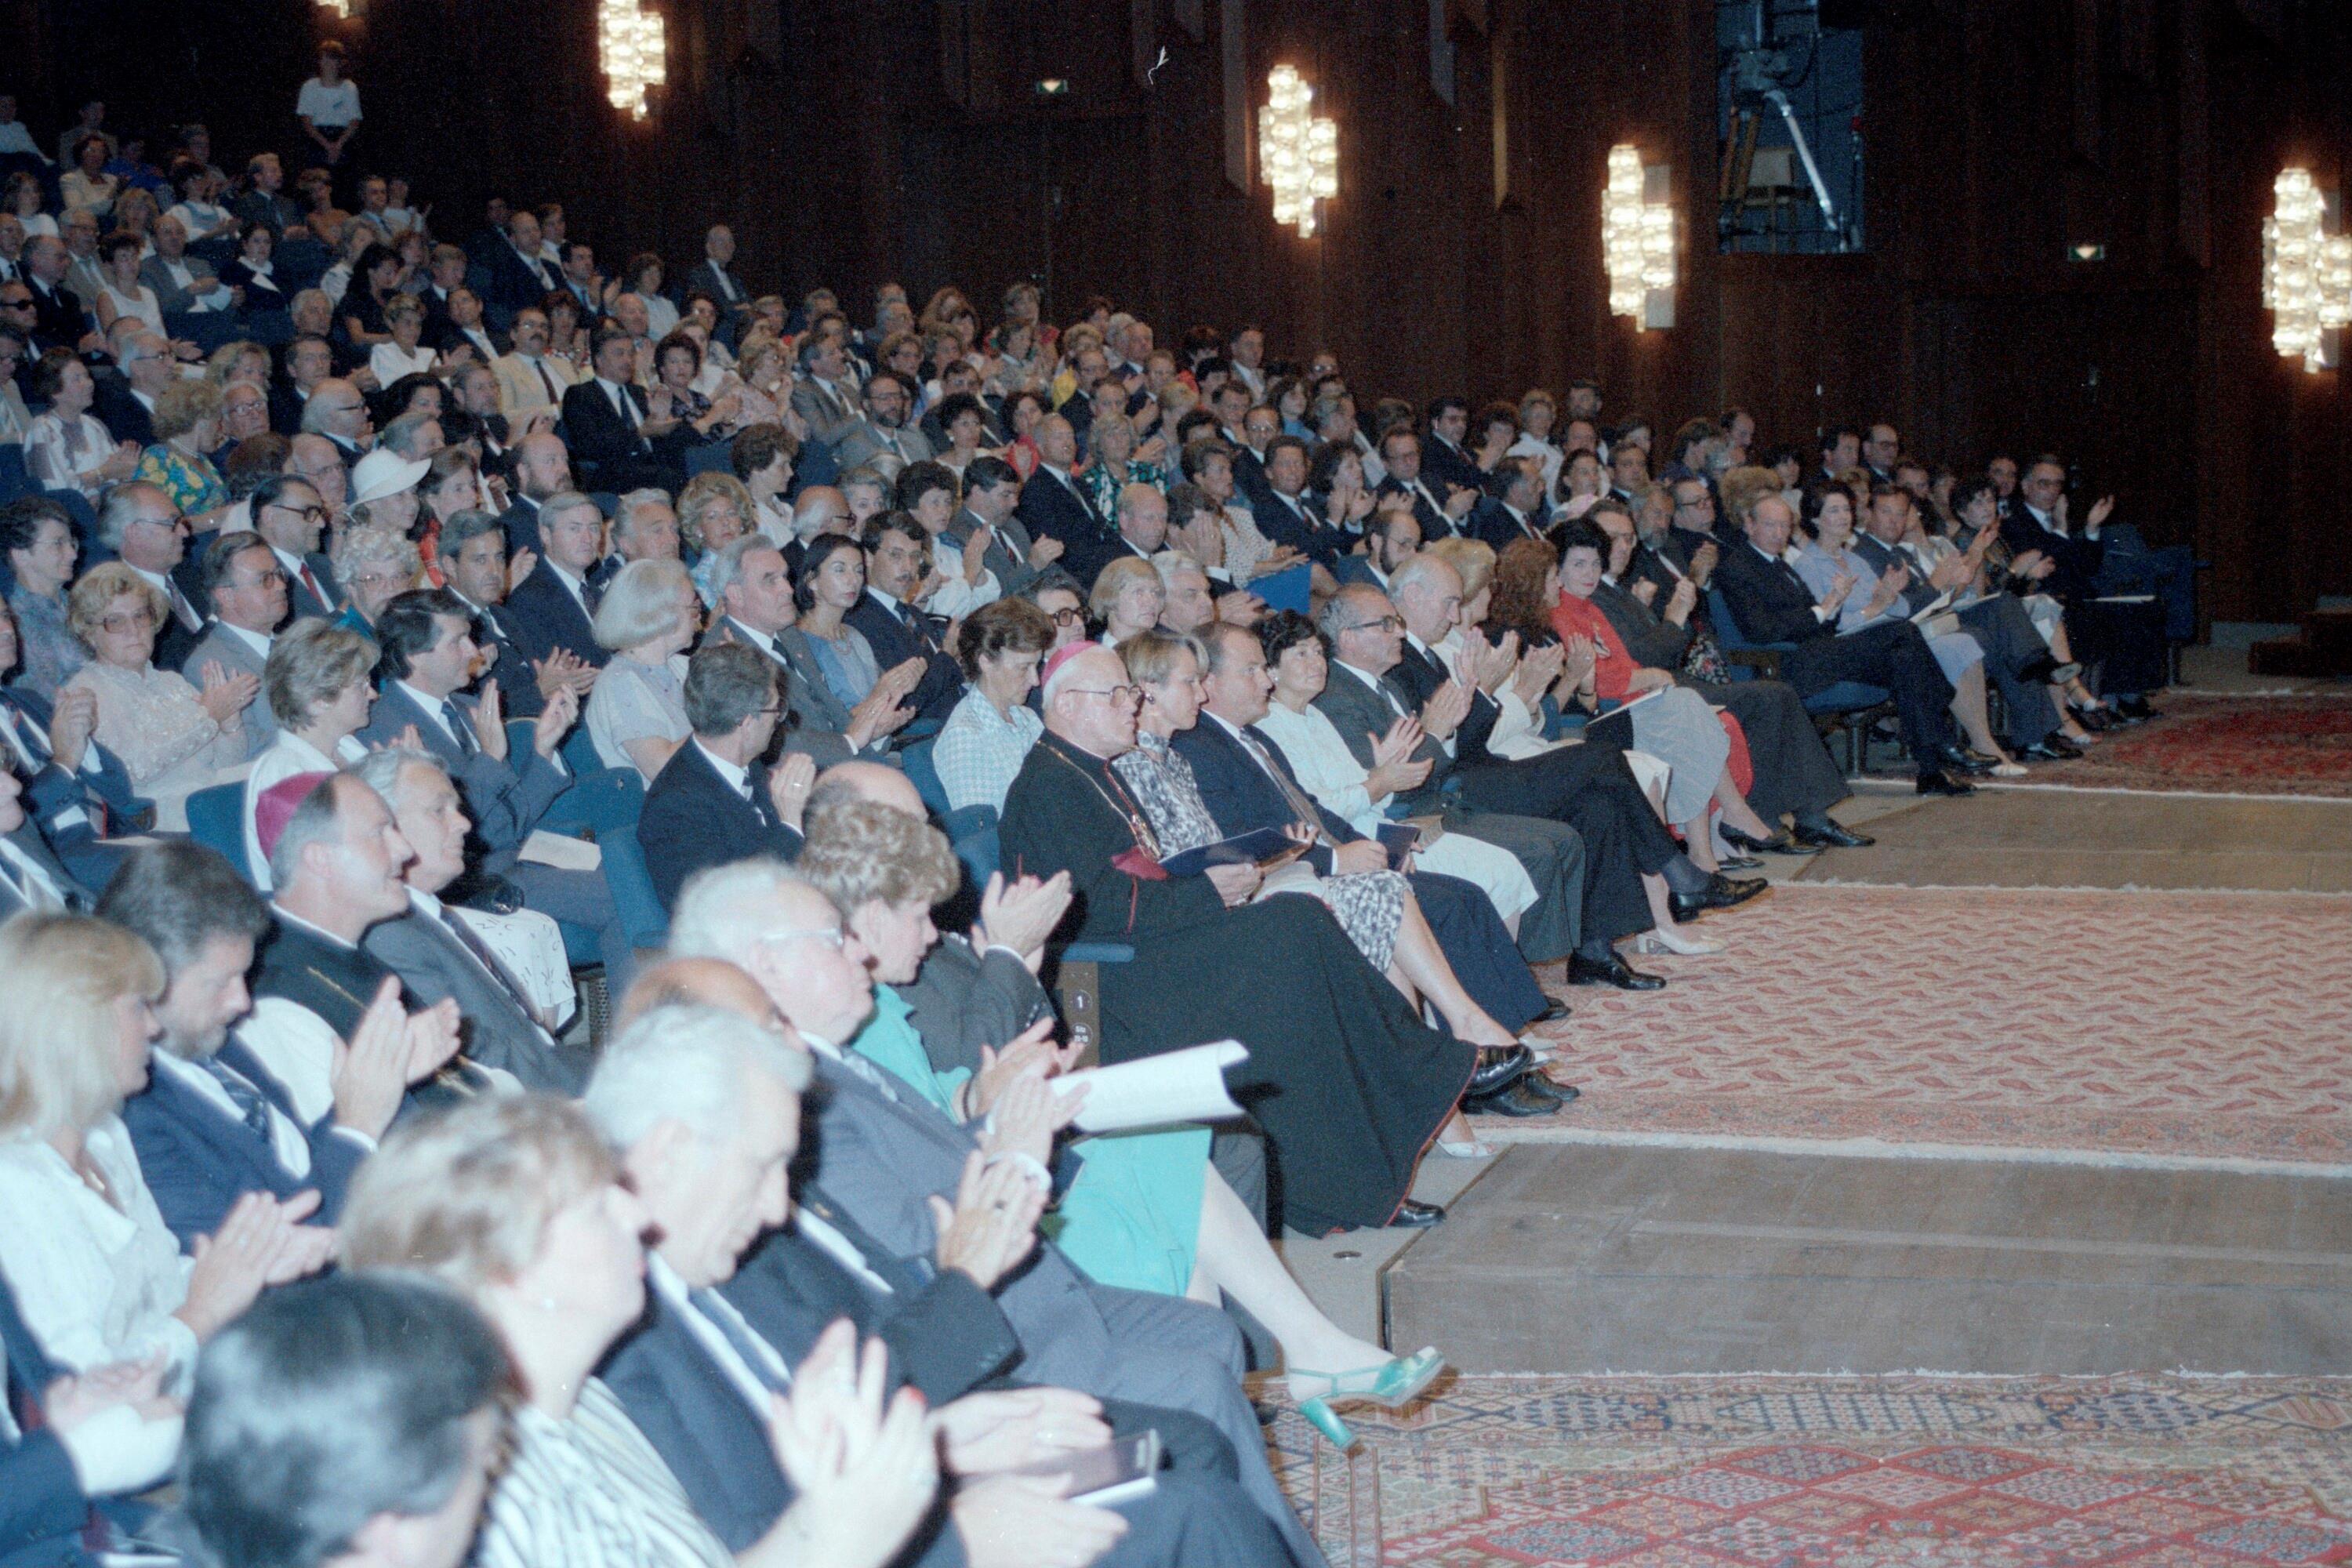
(1540, 1086)
(1832, 836)
(2094, 720)
(2054, 749)
(2135, 710)
(1780, 843)
(1412, 1215)
(1498, 1068)
(1737, 863)
(1961, 760)
(1721, 892)
(1514, 1100)
(1935, 783)
(1555, 1011)
(1611, 970)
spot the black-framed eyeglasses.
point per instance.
(1385, 624)
(1068, 618)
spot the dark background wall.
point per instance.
(852, 142)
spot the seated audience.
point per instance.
(36, 535)
(317, 683)
(989, 734)
(897, 556)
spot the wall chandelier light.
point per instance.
(1637, 238)
(1298, 154)
(634, 49)
(2307, 272)
(339, 9)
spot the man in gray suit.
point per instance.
(437, 953)
(882, 433)
(244, 587)
(180, 281)
(992, 488)
(757, 609)
(825, 397)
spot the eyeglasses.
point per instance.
(830, 936)
(1068, 618)
(127, 621)
(307, 513)
(1385, 624)
(1116, 693)
(269, 579)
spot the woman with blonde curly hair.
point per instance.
(188, 420)
(172, 738)
(375, 560)
(320, 688)
(1147, 1210)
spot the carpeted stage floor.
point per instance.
(2053, 1080)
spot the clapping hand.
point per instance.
(490, 723)
(1027, 1115)
(555, 720)
(789, 783)
(2100, 510)
(1703, 561)
(999, 1430)
(1538, 667)
(1032, 1052)
(225, 696)
(864, 1468)
(71, 724)
(1647, 591)
(261, 1243)
(993, 1226)
(1445, 709)
(518, 566)
(1021, 914)
(562, 671)
(1684, 600)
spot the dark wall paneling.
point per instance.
(852, 142)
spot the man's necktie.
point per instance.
(459, 729)
(755, 1356)
(546, 381)
(1302, 808)
(311, 582)
(252, 1106)
(183, 611)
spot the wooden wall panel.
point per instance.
(1997, 133)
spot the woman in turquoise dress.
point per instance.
(187, 426)
(1145, 1210)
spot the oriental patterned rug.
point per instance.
(1828, 1472)
(2205, 1027)
(2285, 745)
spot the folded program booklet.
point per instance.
(1119, 1471)
(1252, 848)
(1154, 1091)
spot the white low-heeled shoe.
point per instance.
(1477, 1148)
(1652, 944)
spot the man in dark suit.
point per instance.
(125, 403)
(991, 498)
(2126, 641)
(543, 467)
(139, 525)
(335, 857)
(59, 320)
(439, 953)
(605, 421)
(213, 1123)
(1247, 785)
(1401, 454)
(1444, 460)
(520, 276)
(474, 558)
(714, 801)
(1392, 537)
(552, 608)
(712, 275)
(1771, 603)
(31, 877)
(896, 556)
(289, 513)
(1052, 504)
(1513, 506)
(756, 608)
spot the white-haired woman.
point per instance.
(649, 616)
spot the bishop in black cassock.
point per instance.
(1347, 1083)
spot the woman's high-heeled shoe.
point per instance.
(1656, 943)
(1473, 1149)
(1392, 1385)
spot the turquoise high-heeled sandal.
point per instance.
(1392, 1385)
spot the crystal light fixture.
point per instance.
(1637, 238)
(2307, 272)
(1297, 154)
(636, 53)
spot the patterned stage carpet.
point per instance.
(2174, 1025)
(2223, 745)
(1825, 1472)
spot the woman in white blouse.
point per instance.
(123, 294)
(23, 200)
(65, 448)
(649, 616)
(1344, 786)
(87, 186)
(518, 1203)
(95, 1272)
(404, 354)
(319, 688)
